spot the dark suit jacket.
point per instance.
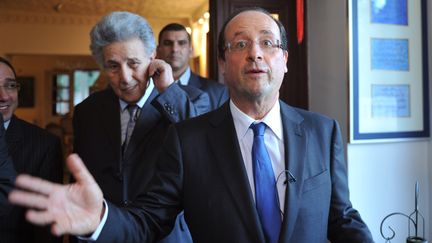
(201, 171)
(7, 172)
(217, 92)
(97, 137)
(36, 152)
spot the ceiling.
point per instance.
(147, 8)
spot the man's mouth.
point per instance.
(4, 107)
(255, 71)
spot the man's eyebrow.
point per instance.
(238, 33)
(10, 79)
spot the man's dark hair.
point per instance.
(7, 63)
(221, 40)
(173, 27)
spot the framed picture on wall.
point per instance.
(26, 95)
(389, 94)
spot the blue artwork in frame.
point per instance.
(389, 12)
(389, 86)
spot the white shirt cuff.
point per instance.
(98, 230)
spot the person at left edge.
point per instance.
(33, 151)
(123, 45)
(7, 172)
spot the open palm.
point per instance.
(74, 208)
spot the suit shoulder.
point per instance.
(198, 123)
(307, 117)
(211, 83)
(95, 98)
(30, 129)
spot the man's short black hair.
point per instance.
(173, 27)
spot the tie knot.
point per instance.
(258, 128)
(131, 109)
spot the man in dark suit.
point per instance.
(7, 172)
(124, 46)
(33, 150)
(175, 47)
(254, 170)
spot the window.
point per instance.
(65, 98)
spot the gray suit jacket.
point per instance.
(201, 171)
(217, 92)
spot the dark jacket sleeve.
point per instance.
(7, 171)
(345, 223)
(178, 103)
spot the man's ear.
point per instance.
(286, 61)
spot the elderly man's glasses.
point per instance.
(267, 45)
(11, 86)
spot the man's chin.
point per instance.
(6, 115)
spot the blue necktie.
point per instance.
(265, 186)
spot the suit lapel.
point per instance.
(295, 145)
(224, 145)
(14, 136)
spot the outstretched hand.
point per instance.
(70, 209)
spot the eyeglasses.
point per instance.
(267, 45)
(11, 86)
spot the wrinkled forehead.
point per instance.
(251, 24)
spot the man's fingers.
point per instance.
(28, 199)
(78, 170)
(34, 184)
(39, 217)
(57, 230)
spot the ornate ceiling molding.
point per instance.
(10, 17)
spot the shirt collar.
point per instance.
(143, 99)
(242, 121)
(184, 78)
(6, 124)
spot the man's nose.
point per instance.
(254, 52)
(3, 92)
(175, 46)
(126, 74)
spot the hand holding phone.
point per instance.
(161, 73)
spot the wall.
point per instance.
(381, 175)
